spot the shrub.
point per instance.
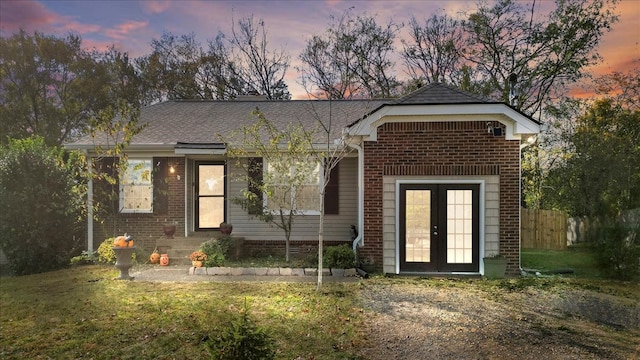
(216, 252)
(41, 224)
(105, 251)
(241, 339)
(339, 257)
(618, 251)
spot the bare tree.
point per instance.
(262, 70)
(433, 53)
(180, 68)
(351, 60)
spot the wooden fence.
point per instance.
(543, 229)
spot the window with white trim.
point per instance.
(294, 186)
(136, 186)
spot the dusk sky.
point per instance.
(131, 25)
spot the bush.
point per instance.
(241, 339)
(618, 251)
(341, 257)
(105, 252)
(41, 224)
(216, 252)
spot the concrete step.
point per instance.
(181, 242)
(179, 248)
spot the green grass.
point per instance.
(82, 312)
(581, 259)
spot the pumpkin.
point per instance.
(154, 258)
(130, 242)
(120, 241)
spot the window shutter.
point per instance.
(107, 193)
(331, 197)
(255, 185)
(160, 185)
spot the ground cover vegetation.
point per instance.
(83, 312)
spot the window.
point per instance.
(281, 180)
(136, 187)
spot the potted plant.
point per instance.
(495, 266)
(226, 228)
(197, 258)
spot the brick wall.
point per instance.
(441, 148)
(146, 228)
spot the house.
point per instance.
(432, 183)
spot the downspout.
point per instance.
(186, 198)
(359, 240)
(89, 203)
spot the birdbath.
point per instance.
(123, 261)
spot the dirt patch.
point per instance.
(435, 322)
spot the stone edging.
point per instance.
(263, 271)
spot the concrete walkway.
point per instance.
(181, 273)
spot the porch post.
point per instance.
(89, 204)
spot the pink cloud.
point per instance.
(28, 15)
(124, 30)
(156, 6)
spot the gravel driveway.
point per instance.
(442, 321)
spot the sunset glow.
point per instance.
(131, 25)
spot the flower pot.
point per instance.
(169, 230)
(123, 261)
(196, 263)
(495, 268)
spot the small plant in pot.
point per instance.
(197, 258)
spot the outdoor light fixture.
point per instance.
(172, 170)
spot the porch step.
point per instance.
(179, 248)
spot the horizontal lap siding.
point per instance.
(305, 227)
(448, 149)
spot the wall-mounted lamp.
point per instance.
(495, 130)
(172, 169)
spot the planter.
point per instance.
(495, 268)
(169, 230)
(196, 263)
(226, 229)
(123, 261)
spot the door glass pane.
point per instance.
(418, 225)
(459, 226)
(211, 212)
(211, 179)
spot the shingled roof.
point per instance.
(194, 122)
(199, 121)
(436, 93)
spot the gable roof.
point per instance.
(439, 102)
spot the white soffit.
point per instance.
(516, 124)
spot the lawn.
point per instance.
(578, 258)
(83, 312)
